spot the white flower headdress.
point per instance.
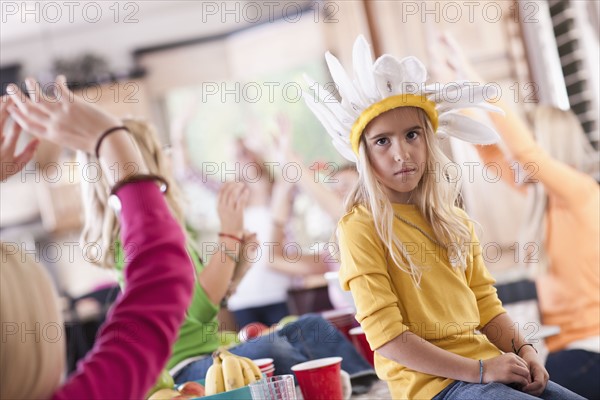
(390, 83)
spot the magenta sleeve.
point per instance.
(135, 342)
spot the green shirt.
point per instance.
(199, 332)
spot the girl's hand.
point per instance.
(231, 202)
(507, 368)
(539, 375)
(11, 162)
(65, 119)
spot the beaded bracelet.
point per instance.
(517, 351)
(480, 371)
(105, 134)
(227, 235)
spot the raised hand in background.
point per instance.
(10, 162)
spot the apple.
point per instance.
(193, 389)
(164, 394)
(164, 381)
(252, 330)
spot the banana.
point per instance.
(214, 382)
(253, 367)
(247, 371)
(223, 352)
(232, 373)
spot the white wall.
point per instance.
(35, 33)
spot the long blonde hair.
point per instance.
(101, 227)
(32, 360)
(435, 196)
(560, 134)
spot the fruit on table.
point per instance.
(232, 373)
(191, 389)
(214, 377)
(252, 330)
(229, 372)
(164, 381)
(164, 394)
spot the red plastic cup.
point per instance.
(359, 339)
(320, 379)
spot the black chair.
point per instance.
(514, 292)
(81, 330)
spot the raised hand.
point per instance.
(231, 201)
(11, 163)
(64, 119)
(507, 368)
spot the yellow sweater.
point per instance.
(450, 305)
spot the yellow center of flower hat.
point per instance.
(387, 104)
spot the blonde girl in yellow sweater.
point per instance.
(409, 256)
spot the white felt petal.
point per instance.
(388, 75)
(467, 129)
(328, 99)
(343, 82)
(345, 150)
(324, 116)
(413, 70)
(363, 69)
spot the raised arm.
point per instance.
(327, 199)
(561, 180)
(216, 277)
(135, 341)
(558, 179)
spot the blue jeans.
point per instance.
(308, 338)
(577, 370)
(498, 391)
(268, 315)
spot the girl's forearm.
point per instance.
(325, 197)
(418, 354)
(502, 330)
(306, 265)
(218, 273)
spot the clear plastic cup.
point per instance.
(279, 387)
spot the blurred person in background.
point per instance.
(563, 220)
(329, 196)
(309, 337)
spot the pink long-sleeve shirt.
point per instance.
(135, 342)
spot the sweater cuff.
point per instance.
(383, 326)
